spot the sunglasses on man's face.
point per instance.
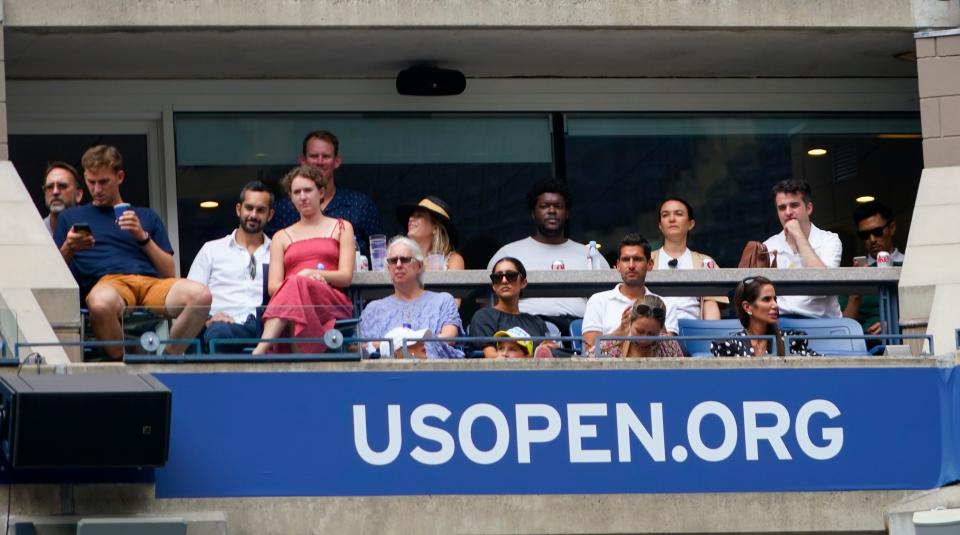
(876, 232)
(498, 276)
(394, 260)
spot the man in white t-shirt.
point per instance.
(802, 244)
(606, 310)
(232, 267)
(549, 203)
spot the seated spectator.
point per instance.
(607, 311)
(311, 262)
(61, 190)
(411, 306)
(802, 245)
(675, 219)
(757, 310)
(876, 227)
(645, 319)
(124, 260)
(508, 278)
(549, 203)
(510, 348)
(231, 268)
(429, 223)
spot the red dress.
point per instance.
(295, 298)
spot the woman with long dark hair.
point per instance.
(756, 302)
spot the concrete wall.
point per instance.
(487, 13)
(34, 280)
(930, 280)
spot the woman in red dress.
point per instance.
(310, 262)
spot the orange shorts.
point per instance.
(139, 290)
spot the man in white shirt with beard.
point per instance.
(232, 267)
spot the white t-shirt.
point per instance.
(537, 256)
(828, 248)
(605, 311)
(683, 307)
(224, 266)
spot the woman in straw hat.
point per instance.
(430, 224)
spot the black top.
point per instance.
(743, 348)
(487, 321)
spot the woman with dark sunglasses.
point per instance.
(410, 306)
(757, 310)
(645, 318)
(508, 279)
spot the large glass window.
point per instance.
(482, 165)
(619, 167)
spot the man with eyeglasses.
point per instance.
(802, 245)
(61, 190)
(607, 311)
(232, 268)
(876, 227)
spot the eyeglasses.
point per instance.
(396, 260)
(55, 185)
(648, 311)
(498, 276)
(876, 232)
(673, 263)
(252, 268)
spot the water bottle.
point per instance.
(593, 256)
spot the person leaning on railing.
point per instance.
(646, 318)
(757, 310)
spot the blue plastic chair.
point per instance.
(829, 327)
(576, 329)
(719, 329)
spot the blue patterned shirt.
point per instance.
(348, 204)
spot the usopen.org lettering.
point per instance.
(534, 423)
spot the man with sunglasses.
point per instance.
(232, 267)
(876, 227)
(61, 190)
(802, 245)
(609, 311)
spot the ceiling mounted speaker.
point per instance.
(430, 82)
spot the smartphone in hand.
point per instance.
(82, 228)
(859, 261)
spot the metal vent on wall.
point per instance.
(844, 162)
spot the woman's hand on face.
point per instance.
(624, 328)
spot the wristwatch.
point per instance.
(144, 241)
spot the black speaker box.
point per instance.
(88, 420)
(430, 82)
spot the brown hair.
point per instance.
(748, 291)
(322, 135)
(305, 171)
(66, 167)
(101, 156)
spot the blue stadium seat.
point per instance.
(719, 329)
(830, 327)
(576, 329)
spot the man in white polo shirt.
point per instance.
(606, 310)
(802, 245)
(232, 268)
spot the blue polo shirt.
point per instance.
(115, 251)
(348, 204)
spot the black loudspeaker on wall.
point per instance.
(430, 82)
(89, 420)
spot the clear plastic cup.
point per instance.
(436, 262)
(378, 252)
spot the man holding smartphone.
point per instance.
(876, 227)
(126, 259)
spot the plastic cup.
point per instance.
(378, 252)
(119, 209)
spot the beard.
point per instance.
(252, 226)
(57, 208)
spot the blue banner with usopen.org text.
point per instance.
(559, 432)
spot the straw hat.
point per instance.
(439, 209)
